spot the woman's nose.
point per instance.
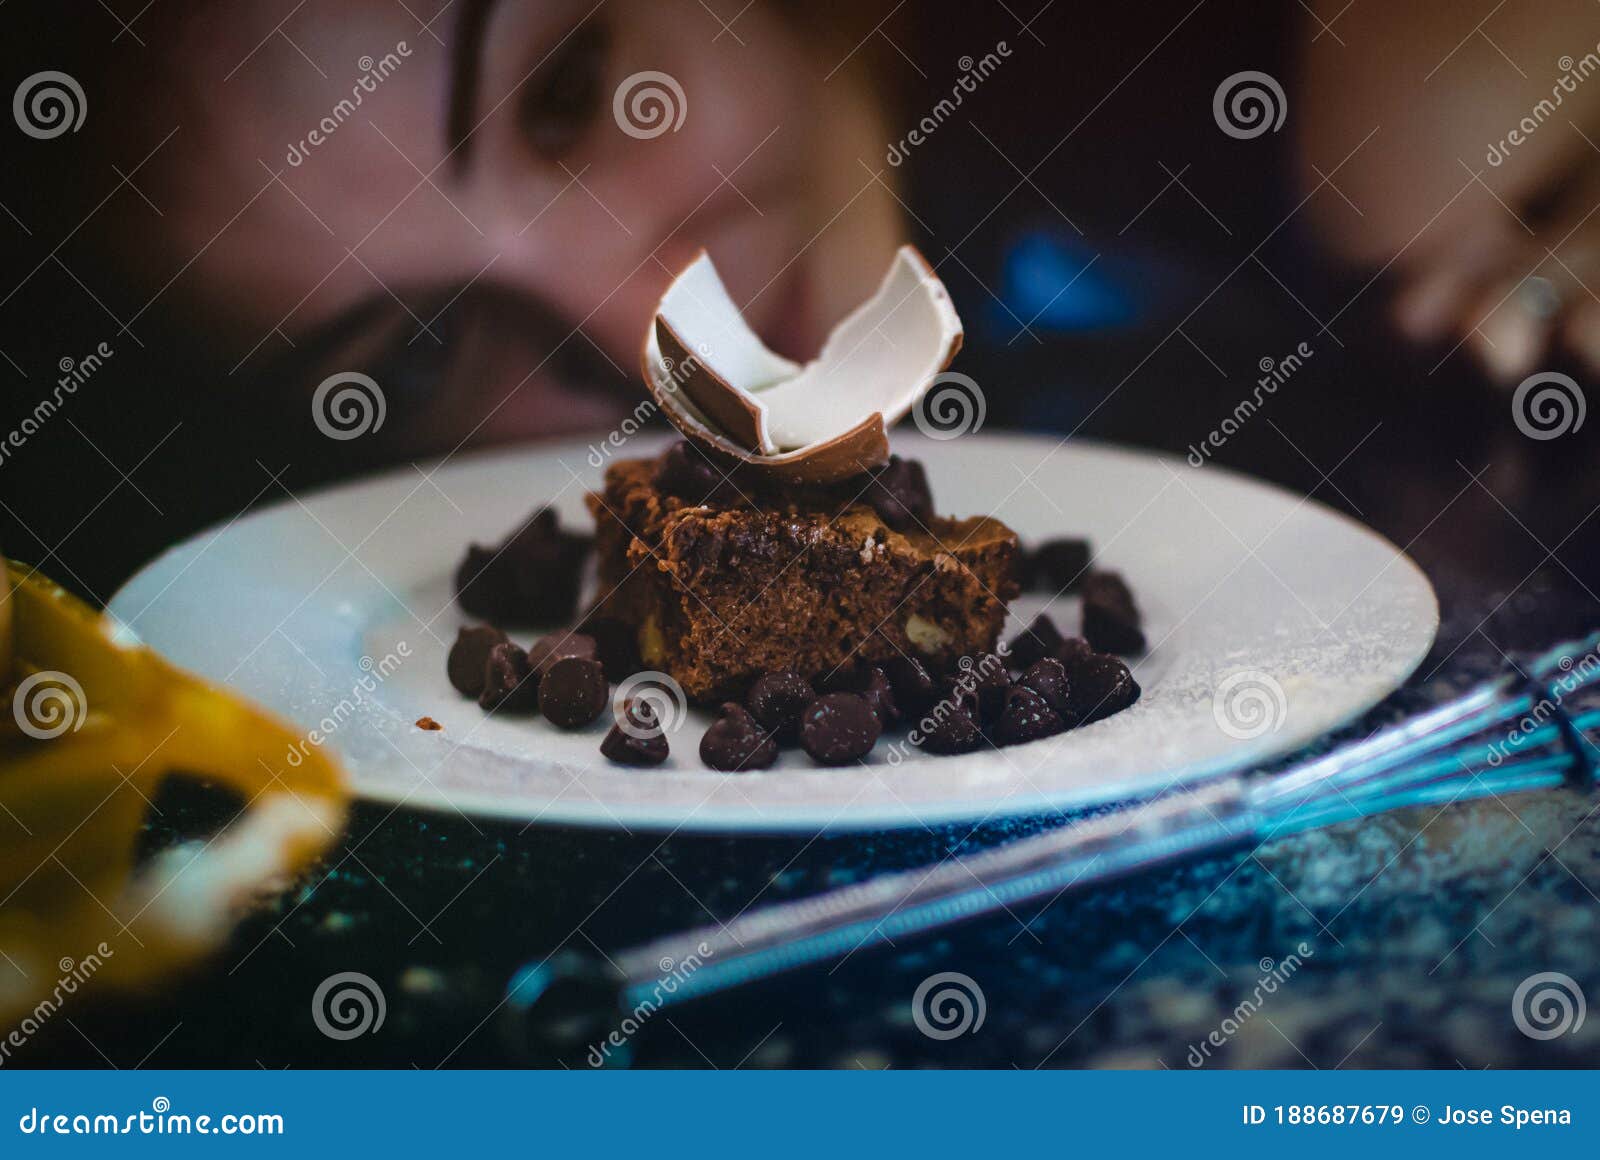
(629, 168)
(600, 246)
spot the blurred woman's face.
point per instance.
(456, 210)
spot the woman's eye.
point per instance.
(561, 100)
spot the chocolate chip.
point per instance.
(1048, 677)
(961, 694)
(948, 728)
(555, 646)
(985, 680)
(626, 749)
(1111, 623)
(573, 692)
(685, 472)
(464, 666)
(870, 682)
(879, 694)
(1112, 632)
(736, 742)
(776, 702)
(839, 728)
(616, 647)
(899, 493)
(509, 682)
(531, 577)
(1056, 566)
(1072, 650)
(1107, 587)
(914, 687)
(636, 738)
(1039, 639)
(1026, 717)
(483, 584)
(1099, 685)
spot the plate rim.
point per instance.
(592, 814)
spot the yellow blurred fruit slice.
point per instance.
(91, 725)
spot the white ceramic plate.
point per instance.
(1273, 619)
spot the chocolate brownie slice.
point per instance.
(808, 579)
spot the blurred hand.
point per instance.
(1516, 294)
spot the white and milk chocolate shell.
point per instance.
(824, 421)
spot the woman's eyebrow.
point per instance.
(465, 67)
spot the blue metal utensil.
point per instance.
(1522, 731)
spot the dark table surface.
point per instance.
(1416, 927)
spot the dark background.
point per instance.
(1068, 153)
(1423, 922)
